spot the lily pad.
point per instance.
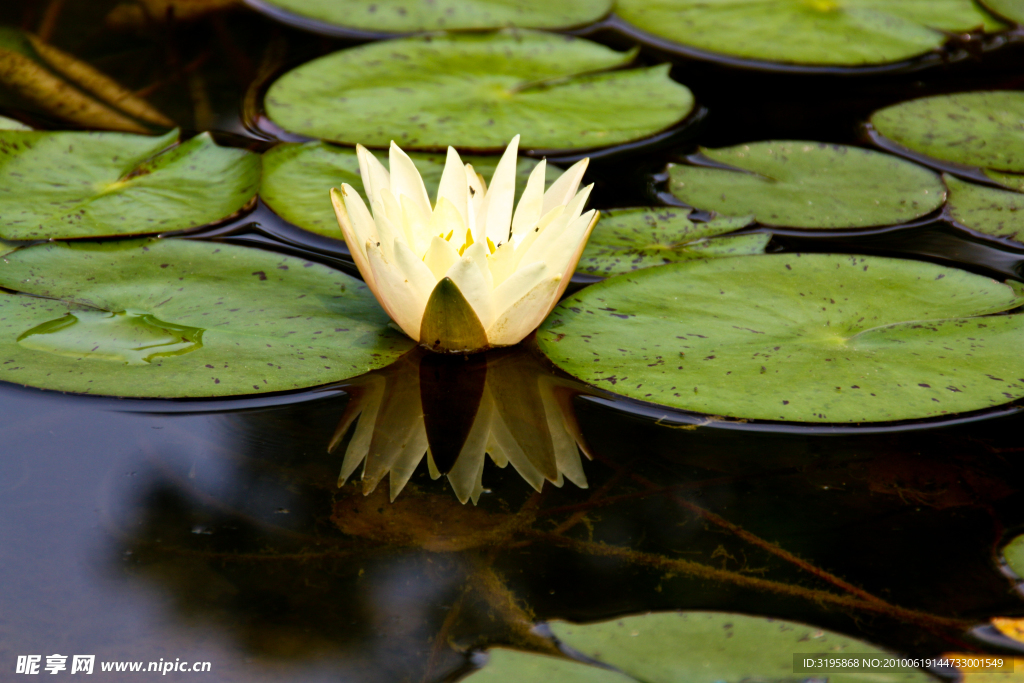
(1013, 554)
(1014, 181)
(983, 129)
(809, 32)
(708, 647)
(986, 209)
(11, 124)
(297, 178)
(512, 665)
(477, 91)
(809, 185)
(405, 16)
(62, 185)
(1012, 10)
(797, 337)
(176, 318)
(625, 240)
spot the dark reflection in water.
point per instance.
(225, 536)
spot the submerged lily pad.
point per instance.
(986, 209)
(477, 91)
(175, 318)
(297, 178)
(797, 337)
(405, 16)
(718, 647)
(625, 240)
(1012, 10)
(811, 32)
(61, 185)
(809, 185)
(983, 129)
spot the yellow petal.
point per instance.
(502, 263)
(450, 325)
(446, 219)
(501, 194)
(518, 285)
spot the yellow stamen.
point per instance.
(469, 241)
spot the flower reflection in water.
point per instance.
(453, 410)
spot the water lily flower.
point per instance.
(467, 273)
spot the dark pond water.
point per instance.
(216, 530)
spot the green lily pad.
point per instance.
(809, 32)
(1014, 181)
(1013, 553)
(403, 16)
(809, 185)
(796, 337)
(11, 124)
(175, 318)
(708, 647)
(986, 209)
(1012, 10)
(625, 240)
(477, 91)
(983, 129)
(62, 185)
(297, 178)
(505, 665)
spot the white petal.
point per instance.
(375, 176)
(416, 273)
(446, 219)
(408, 459)
(502, 262)
(387, 233)
(566, 247)
(453, 185)
(523, 317)
(518, 285)
(468, 277)
(406, 180)
(399, 430)
(353, 218)
(395, 294)
(573, 259)
(417, 230)
(371, 392)
(475, 202)
(506, 443)
(477, 253)
(539, 241)
(440, 257)
(501, 194)
(528, 212)
(567, 455)
(563, 189)
(393, 211)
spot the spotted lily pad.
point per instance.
(75, 184)
(708, 647)
(983, 129)
(476, 91)
(297, 179)
(808, 32)
(986, 209)
(407, 16)
(629, 239)
(175, 318)
(1012, 10)
(809, 185)
(797, 337)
